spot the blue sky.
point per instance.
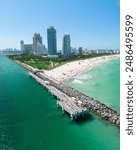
(91, 23)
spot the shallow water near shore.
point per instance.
(101, 83)
(29, 118)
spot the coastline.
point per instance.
(94, 106)
(29, 68)
(72, 69)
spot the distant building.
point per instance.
(52, 41)
(66, 45)
(21, 45)
(26, 48)
(80, 50)
(74, 51)
(37, 38)
(38, 48)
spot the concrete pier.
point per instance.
(66, 102)
(76, 103)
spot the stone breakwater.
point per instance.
(92, 105)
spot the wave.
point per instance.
(84, 77)
(77, 81)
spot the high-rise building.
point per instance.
(37, 38)
(38, 47)
(52, 41)
(22, 45)
(26, 48)
(80, 50)
(22, 42)
(66, 45)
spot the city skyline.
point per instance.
(91, 24)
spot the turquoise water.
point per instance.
(30, 120)
(102, 83)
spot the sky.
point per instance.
(92, 24)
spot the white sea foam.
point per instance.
(84, 77)
(77, 81)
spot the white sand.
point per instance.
(72, 69)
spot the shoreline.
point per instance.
(67, 71)
(27, 67)
(93, 106)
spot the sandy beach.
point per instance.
(69, 70)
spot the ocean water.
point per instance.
(101, 83)
(30, 119)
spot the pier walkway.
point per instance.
(68, 104)
(74, 102)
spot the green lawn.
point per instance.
(50, 63)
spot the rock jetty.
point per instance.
(94, 106)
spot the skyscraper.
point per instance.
(80, 49)
(66, 45)
(52, 41)
(22, 45)
(38, 47)
(37, 38)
